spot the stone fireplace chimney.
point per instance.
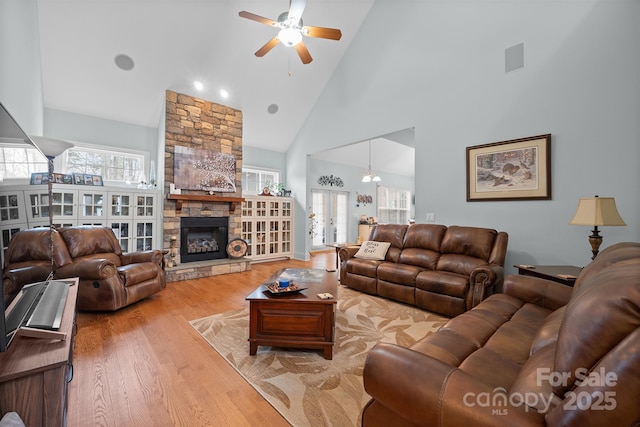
(195, 123)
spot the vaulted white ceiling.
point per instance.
(173, 43)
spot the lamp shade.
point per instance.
(597, 211)
(51, 147)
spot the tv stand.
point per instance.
(34, 372)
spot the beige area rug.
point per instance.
(305, 388)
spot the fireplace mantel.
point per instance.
(179, 198)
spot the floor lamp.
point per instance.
(51, 148)
(596, 211)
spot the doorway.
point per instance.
(331, 208)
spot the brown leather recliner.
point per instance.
(28, 259)
(109, 279)
(538, 354)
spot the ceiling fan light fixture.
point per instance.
(290, 36)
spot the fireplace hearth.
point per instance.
(203, 238)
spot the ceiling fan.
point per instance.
(292, 30)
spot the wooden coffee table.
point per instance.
(295, 320)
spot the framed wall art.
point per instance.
(195, 169)
(519, 169)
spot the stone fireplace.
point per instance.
(195, 123)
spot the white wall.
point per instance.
(440, 68)
(20, 79)
(94, 130)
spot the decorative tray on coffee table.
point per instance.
(275, 289)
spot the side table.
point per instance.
(565, 274)
(339, 246)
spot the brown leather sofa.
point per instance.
(108, 279)
(446, 270)
(538, 354)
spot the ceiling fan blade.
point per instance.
(267, 47)
(296, 7)
(321, 32)
(303, 53)
(257, 18)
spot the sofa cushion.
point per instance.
(424, 236)
(472, 241)
(86, 240)
(401, 274)
(373, 250)
(363, 267)
(134, 274)
(392, 233)
(443, 282)
(548, 331)
(461, 264)
(529, 381)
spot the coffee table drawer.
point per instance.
(274, 320)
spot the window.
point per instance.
(394, 205)
(21, 162)
(254, 179)
(113, 165)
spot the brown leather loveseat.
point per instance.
(109, 279)
(538, 354)
(442, 269)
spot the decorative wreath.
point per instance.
(331, 180)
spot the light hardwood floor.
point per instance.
(145, 365)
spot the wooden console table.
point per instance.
(565, 274)
(34, 372)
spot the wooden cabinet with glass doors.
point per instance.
(132, 214)
(267, 227)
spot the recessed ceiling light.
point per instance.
(272, 109)
(124, 62)
(198, 85)
(224, 93)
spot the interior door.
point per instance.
(331, 209)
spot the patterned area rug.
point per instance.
(305, 388)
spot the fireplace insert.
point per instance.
(203, 238)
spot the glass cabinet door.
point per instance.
(11, 210)
(122, 230)
(145, 205)
(92, 205)
(120, 205)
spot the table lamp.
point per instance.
(596, 211)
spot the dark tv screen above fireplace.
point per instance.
(203, 238)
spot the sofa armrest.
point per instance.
(26, 275)
(426, 391)
(347, 252)
(90, 269)
(154, 256)
(14, 279)
(534, 290)
(484, 281)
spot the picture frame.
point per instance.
(36, 178)
(518, 169)
(83, 179)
